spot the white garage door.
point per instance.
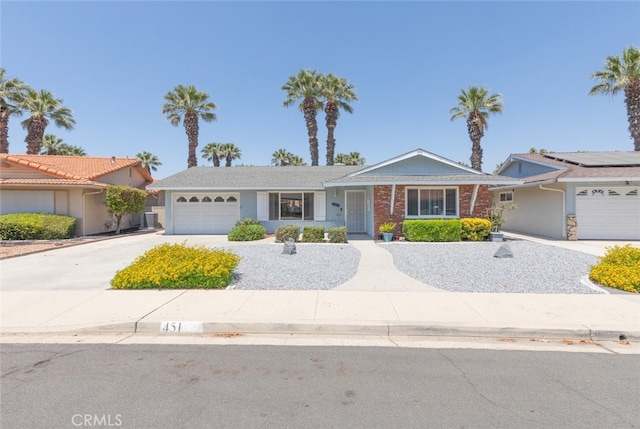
(26, 202)
(204, 213)
(608, 213)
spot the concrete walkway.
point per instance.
(379, 300)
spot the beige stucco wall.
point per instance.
(538, 212)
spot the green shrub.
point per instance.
(248, 221)
(337, 234)
(619, 268)
(288, 231)
(36, 226)
(475, 229)
(313, 234)
(247, 233)
(432, 230)
(178, 266)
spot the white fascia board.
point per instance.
(236, 188)
(423, 183)
(600, 179)
(523, 185)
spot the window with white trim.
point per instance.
(291, 205)
(506, 197)
(432, 202)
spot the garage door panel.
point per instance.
(608, 213)
(205, 214)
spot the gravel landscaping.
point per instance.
(471, 267)
(313, 267)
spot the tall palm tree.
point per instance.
(623, 73)
(212, 152)
(11, 90)
(281, 157)
(149, 161)
(337, 93)
(306, 86)
(475, 104)
(188, 104)
(43, 106)
(51, 144)
(229, 152)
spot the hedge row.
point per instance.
(438, 230)
(311, 234)
(36, 226)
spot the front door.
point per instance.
(355, 213)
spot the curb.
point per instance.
(353, 329)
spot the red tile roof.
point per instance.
(74, 170)
(73, 167)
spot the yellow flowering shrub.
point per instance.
(619, 268)
(178, 266)
(475, 229)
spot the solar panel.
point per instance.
(598, 159)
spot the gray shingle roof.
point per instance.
(238, 178)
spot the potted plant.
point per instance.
(387, 230)
(495, 216)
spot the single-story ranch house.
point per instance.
(68, 185)
(416, 185)
(573, 195)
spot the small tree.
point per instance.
(124, 200)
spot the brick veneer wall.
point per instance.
(382, 203)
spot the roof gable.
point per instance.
(418, 162)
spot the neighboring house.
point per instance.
(416, 185)
(68, 185)
(573, 195)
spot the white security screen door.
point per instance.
(355, 212)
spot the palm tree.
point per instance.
(306, 86)
(50, 145)
(42, 106)
(188, 104)
(281, 157)
(70, 150)
(297, 161)
(337, 93)
(212, 153)
(352, 158)
(475, 104)
(229, 152)
(149, 161)
(623, 74)
(11, 90)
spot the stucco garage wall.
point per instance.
(538, 212)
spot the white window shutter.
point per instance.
(320, 206)
(263, 206)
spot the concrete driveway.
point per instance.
(88, 266)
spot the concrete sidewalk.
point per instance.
(379, 300)
(406, 313)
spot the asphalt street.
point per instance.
(197, 386)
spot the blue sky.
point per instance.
(113, 62)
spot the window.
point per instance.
(206, 200)
(432, 202)
(506, 197)
(182, 200)
(194, 200)
(291, 206)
